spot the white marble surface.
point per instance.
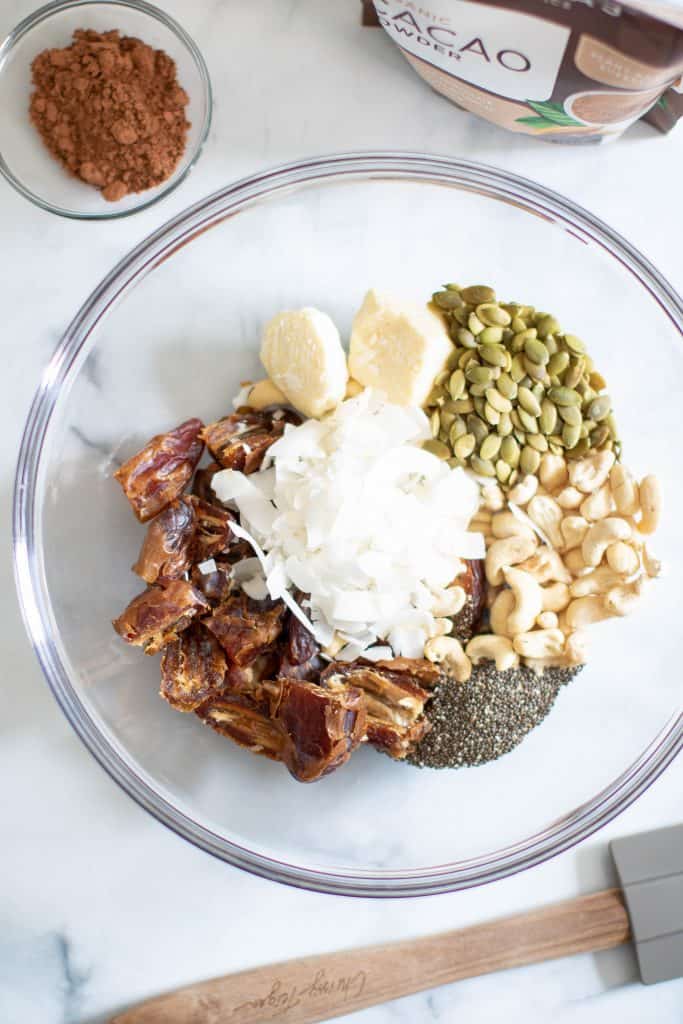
(99, 905)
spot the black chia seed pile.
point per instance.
(486, 717)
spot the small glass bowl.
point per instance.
(26, 162)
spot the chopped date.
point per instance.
(156, 617)
(300, 644)
(248, 679)
(321, 728)
(193, 669)
(395, 702)
(213, 532)
(241, 720)
(166, 552)
(245, 628)
(161, 470)
(240, 441)
(473, 582)
(216, 586)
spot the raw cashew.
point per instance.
(540, 643)
(555, 597)
(447, 651)
(492, 497)
(528, 600)
(598, 505)
(574, 529)
(622, 600)
(585, 610)
(546, 566)
(650, 504)
(547, 515)
(624, 490)
(653, 567)
(573, 559)
(597, 581)
(553, 472)
(622, 558)
(547, 620)
(449, 602)
(601, 535)
(570, 498)
(576, 647)
(506, 552)
(494, 648)
(500, 612)
(506, 524)
(265, 393)
(442, 627)
(524, 490)
(590, 474)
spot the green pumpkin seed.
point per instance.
(435, 423)
(441, 378)
(464, 446)
(434, 396)
(578, 450)
(504, 427)
(574, 344)
(438, 448)
(447, 419)
(573, 374)
(479, 390)
(447, 300)
(482, 466)
(475, 325)
(529, 422)
(518, 325)
(495, 355)
(600, 408)
(503, 471)
(536, 351)
(490, 447)
(551, 344)
(476, 374)
(475, 294)
(493, 315)
(463, 405)
(600, 435)
(490, 336)
(529, 460)
(461, 315)
(564, 396)
(556, 449)
(465, 338)
(571, 434)
(528, 401)
(506, 386)
(597, 381)
(458, 429)
(537, 441)
(517, 370)
(479, 405)
(492, 415)
(547, 325)
(558, 363)
(571, 414)
(477, 427)
(536, 371)
(548, 418)
(466, 358)
(612, 424)
(510, 451)
(457, 385)
(520, 437)
(498, 401)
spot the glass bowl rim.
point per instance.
(58, 6)
(27, 543)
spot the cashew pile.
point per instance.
(565, 549)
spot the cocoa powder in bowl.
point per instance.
(110, 109)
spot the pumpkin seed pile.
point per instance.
(516, 386)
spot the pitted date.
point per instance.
(156, 617)
(245, 628)
(240, 719)
(240, 441)
(166, 552)
(321, 728)
(213, 533)
(473, 582)
(161, 470)
(193, 669)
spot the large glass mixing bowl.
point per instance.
(168, 335)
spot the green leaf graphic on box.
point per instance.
(550, 115)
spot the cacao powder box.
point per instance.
(578, 71)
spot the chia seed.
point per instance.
(487, 716)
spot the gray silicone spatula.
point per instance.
(648, 909)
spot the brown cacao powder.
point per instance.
(110, 109)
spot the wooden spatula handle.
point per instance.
(316, 988)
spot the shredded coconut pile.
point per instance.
(353, 512)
